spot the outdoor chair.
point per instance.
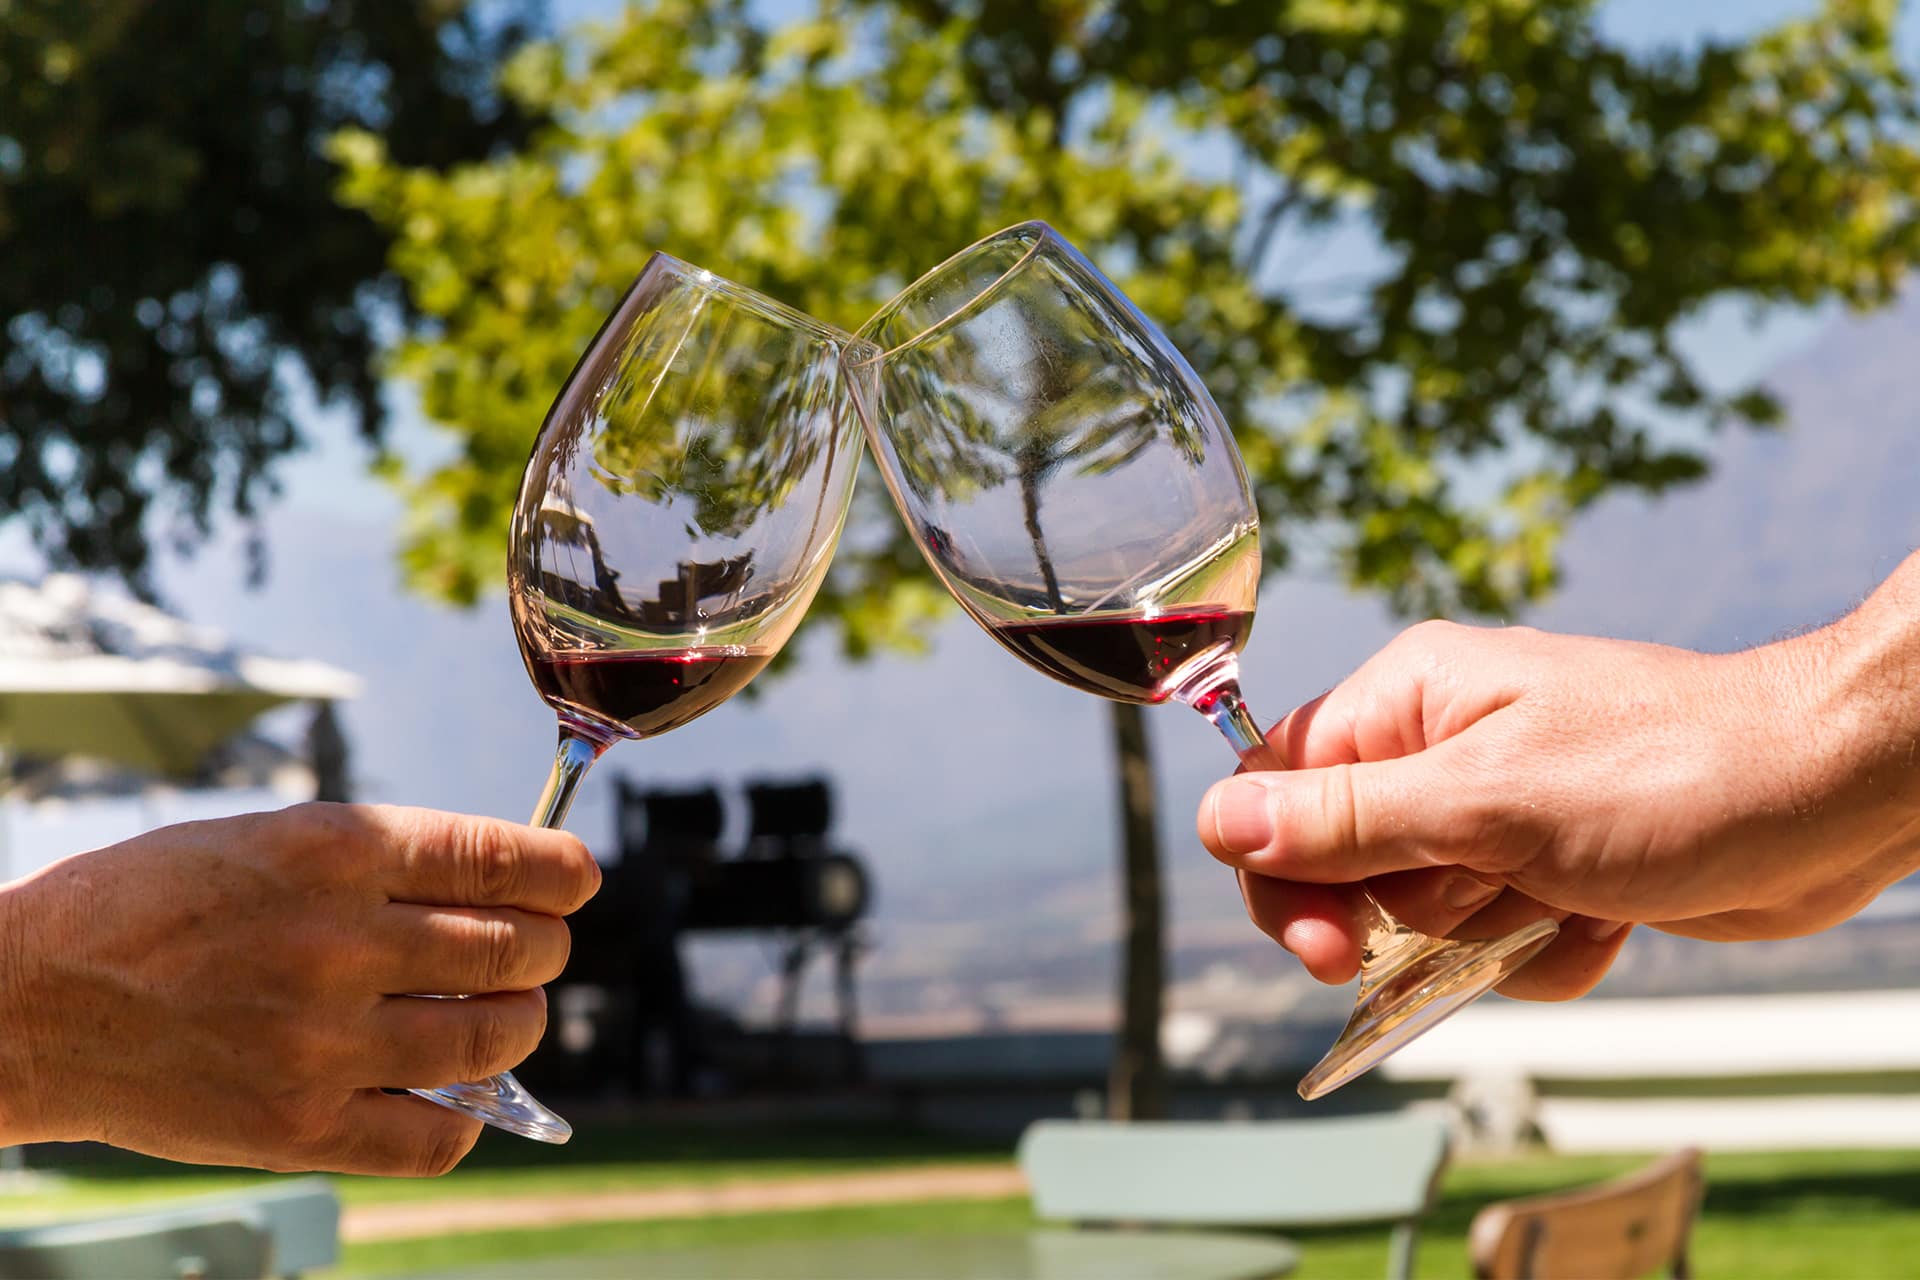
(1263, 1175)
(278, 1230)
(1617, 1230)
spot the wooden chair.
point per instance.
(277, 1230)
(1266, 1174)
(1617, 1230)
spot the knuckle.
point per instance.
(309, 1133)
(444, 1148)
(448, 849)
(1424, 650)
(300, 1051)
(1340, 812)
(318, 822)
(302, 956)
(541, 946)
(488, 1047)
(503, 955)
(1484, 821)
(1499, 827)
(494, 869)
(1431, 634)
(319, 955)
(314, 840)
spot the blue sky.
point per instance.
(955, 770)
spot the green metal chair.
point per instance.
(1270, 1174)
(276, 1230)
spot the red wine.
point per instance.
(647, 690)
(1124, 657)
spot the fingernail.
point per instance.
(1241, 822)
(1604, 930)
(1464, 892)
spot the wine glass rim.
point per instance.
(767, 308)
(1042, 234)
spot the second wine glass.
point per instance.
(1068, 477)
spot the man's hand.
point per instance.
(1478, 779)
(240, 991)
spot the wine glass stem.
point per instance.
(1227, 710)
(1387, 941)
(571, 760)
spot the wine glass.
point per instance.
(1069, 479)
(677, 514)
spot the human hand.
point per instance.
(1479, 779)
(240, 991)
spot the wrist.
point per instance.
(1873, 669)
(1858, 691)
(21, 1036)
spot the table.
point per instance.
(1033, 1255)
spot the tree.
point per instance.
(1547, 210)
(172, 259)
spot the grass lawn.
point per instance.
(1811, 1215)
(1805, 1215)
(606, 1157)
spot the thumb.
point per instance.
(1333, 825)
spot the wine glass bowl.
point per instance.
(1067, 476)
(676, 516)
(681, 503)
(1063, 469)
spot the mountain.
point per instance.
(1791, 529)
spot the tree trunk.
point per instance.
(1030, 501)
(327, 755)
(1137, 1085)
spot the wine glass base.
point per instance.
(504, 1103)
(1417, 995)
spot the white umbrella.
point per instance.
(95, 673)
(246, 762)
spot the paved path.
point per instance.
(407, 1220)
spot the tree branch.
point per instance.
(1276, 212)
